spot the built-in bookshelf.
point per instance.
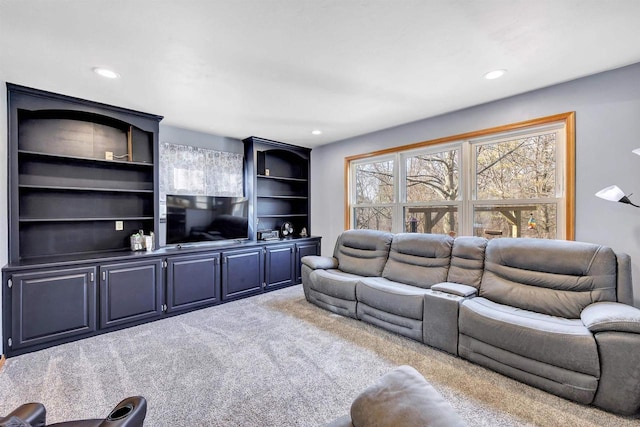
(82, 175)
(278, 177)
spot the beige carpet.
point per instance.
(269, 360)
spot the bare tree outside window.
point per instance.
(514, 180)
(518, 169)
(432, 177)
(374, 187)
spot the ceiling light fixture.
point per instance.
(494, 74)
(105, 72)
(316, 132)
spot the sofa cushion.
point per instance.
(467, 260)
(565, 343)
(403, 397)
(391, 297)
(335, 283)
(558, 278)
(419, 259)
(363, 252)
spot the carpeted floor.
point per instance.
(269, 360)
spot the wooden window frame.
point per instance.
(566, 119)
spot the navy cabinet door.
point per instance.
(193, 281)
(280, 267)
(130, 292)
(302, 250)
(52, 305)
(242, 273)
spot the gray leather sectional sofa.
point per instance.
(553, 314)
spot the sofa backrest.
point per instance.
(554, 277)
(362, 252)
(467, 260)
(419, 259)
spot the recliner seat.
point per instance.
(358, 253)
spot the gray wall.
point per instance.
(607, 107)
(176, 135)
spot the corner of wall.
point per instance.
(4, 221)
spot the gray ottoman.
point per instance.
(400, 398)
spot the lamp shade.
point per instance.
(636, 151)
(612, 193)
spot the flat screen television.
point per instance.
(193, 219)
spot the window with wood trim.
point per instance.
(512, 181)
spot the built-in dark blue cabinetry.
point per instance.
(131, 292)
(50, 305)
(277, 180)
(280, 265)
(242, 272)
(193, 281)
(82, 175)
(82, 178)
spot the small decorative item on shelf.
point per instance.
(287, 229)
(148, 241)
(140, 242)
(303, 232)
(268, 235)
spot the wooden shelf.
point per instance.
(87, 219)
(84, 159)
(284, 197)
(282, 215)
(282, 178)
(69, 188)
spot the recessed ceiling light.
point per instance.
(105, 72)
(494, 74)
(316, 132)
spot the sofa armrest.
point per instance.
(33, 414)
(403, 397)
(456, 289)
(317, 262)
(611, 316)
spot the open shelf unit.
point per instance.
(278, 178)
(78, 170)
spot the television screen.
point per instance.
(206, 218)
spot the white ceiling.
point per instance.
(281, 68)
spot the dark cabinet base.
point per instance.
(130, 291)
(50, 304)
(192, 281)
(242, 273)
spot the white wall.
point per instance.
(607, 107)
